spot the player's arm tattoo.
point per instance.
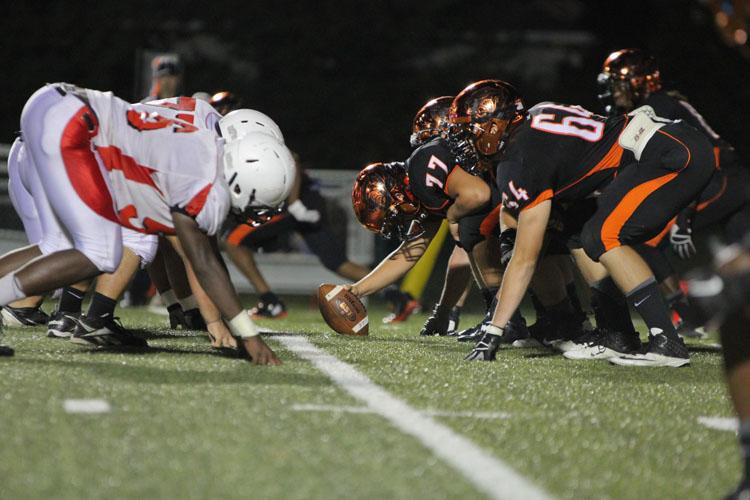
(411, 251)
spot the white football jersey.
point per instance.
(157, 164)
(195, 111)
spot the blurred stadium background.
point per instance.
(343, 79)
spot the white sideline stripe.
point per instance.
(490, 415)
(720, 423)
(487, 473)
(86, 406)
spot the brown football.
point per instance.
(342, 310)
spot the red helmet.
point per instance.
(383, 203)
(430, 121)
(488, 110)
(632, 71)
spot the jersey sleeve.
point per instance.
(429, 169)
(525, 180)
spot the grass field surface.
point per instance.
(187, 422)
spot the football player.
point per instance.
(108, 164)
(631, 78)
(721, 297)
(476, 252)
(305, 214)
(559, 153)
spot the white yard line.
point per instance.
(489, 415)
(720, 423)
(92, 406)
(486, 472)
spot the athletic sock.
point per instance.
(575, 301)
(489, 295)
(70, 300)
(188, 303)
(745, 445)
(539, 308)
(650, 304)
(102, 307)
(610, 307)
(169, 298)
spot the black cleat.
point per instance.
(269, 307)
(176, 317)
(472, 334)
(105, 332)
(24, 316)
(62, 324)
(661, 351)
(486, 348)
(194, 320)
(516, 333)
(437, 323)
(604, 344)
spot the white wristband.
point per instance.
(493, 330)
(242, 326)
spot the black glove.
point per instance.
(437, 322)
(507, 241)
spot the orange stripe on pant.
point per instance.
(625, 209)
(656, 240)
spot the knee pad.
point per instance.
(591, 241)
(143, 245)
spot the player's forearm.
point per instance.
(514, 285)
(199, 278)
(392, 268)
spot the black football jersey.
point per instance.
(560, 152)
(673, 106)
(428, 169)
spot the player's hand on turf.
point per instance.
(681, 238)
(259, 352)
(220, 336)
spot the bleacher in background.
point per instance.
(295, 272)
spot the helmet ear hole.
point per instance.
(237, 189)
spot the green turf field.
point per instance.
(187, 422)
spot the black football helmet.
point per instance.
(485, 113)
(632, 72)
(384, 204)
(430, 121)
(225, 101)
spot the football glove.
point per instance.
(303, 214)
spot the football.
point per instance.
(342, 310)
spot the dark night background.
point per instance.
(343, 79)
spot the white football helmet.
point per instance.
(259, 171)
(241, 122)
